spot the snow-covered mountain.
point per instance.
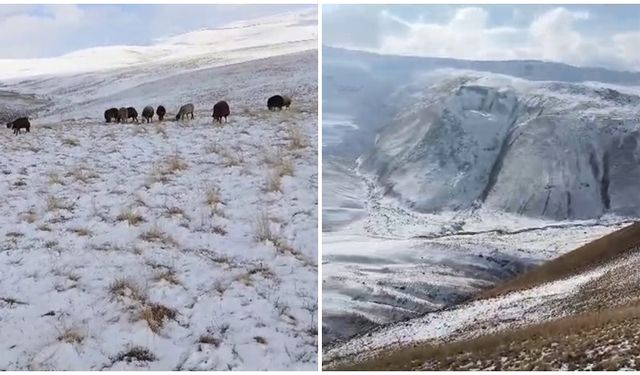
(235, 42)
(173, 245)
(466, 173)
(553, 149)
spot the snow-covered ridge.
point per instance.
(533, 70)
(482, 317)
(269, 36)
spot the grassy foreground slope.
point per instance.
(597, 327)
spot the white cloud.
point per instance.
(627, 45)
(466, 36)
(23, 34)
(552, 36)
(362, 26)
(49, 30)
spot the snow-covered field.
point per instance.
(174, 245)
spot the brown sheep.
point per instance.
(123, 115)
(220, 110)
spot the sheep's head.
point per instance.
(9, 125)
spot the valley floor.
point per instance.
(164, 246)
(384, 264)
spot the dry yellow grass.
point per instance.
(72, 336)
(124, 287)
(81, 231)
(213, 196)
(175, 164)
(168, 276)
(130, 217)
(297, 139)
(55, 203)
(155, 234)
(273, 182)
(262, 228)
(604, 340)
(71, 142)
(588, 256)
(135, 353)
(156, 315)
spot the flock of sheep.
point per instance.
(121, 115)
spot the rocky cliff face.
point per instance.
(553, 150)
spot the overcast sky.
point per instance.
(583, 35)
(28, 31)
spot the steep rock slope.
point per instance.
(559, 151)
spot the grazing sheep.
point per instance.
(286, 101)
(147, 113)
(123, 115)
(220, 110)
(21, 123)
(161, 112)
(184, 111)
(274, 102)
(133, 114)
(111, 114)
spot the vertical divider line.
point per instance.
(319, 185)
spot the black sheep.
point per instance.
(20, 123)
(274, 102)
(132, 114)
(111, 114)
(161, 112)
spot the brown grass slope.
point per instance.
(585, 257)
(606, 340)
(601, 330)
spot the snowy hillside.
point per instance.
(445, 177)
(175, 245)
(236, 42)
(579, 320)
